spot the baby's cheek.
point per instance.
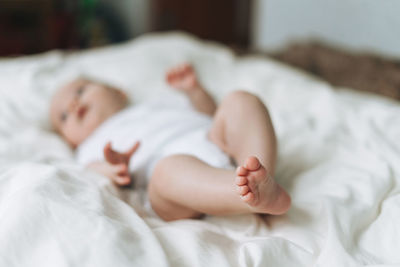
(71, 132)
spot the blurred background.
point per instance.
(329, 38)
(32, 26)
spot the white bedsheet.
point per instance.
(339, 155)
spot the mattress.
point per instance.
(338, 157)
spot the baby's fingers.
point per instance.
(109, 153)
(121, 175)
(120, 169)
(122, 180)
(133, 149)
(107, 148)
(113, 156)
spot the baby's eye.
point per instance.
(80, 90)
(64, 116)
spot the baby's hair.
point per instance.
(106, 83)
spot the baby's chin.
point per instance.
(93, 119)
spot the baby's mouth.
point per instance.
(82, 111)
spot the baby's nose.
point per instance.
(73, 105)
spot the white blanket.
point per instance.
(339, 154)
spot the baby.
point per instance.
(183, 181)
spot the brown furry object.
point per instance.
(364, 72)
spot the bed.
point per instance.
(339, 154)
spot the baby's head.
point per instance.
(80, 106)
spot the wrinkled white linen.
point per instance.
(339, 154)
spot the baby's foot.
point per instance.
(259, 190)
(183, 77)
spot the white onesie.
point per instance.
(164, 126)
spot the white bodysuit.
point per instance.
(164, 126)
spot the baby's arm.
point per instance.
(183, 78)
(116, 164)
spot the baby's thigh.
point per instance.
(172, 167)
(216, 131)
(168, 186)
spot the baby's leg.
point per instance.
(183, 186)
(243, 129)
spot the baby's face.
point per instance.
(79, 107)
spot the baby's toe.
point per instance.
(248, 198)
(252, 163)
(241, 180)
(241, 171)
(243, 190)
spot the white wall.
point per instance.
(361, 25)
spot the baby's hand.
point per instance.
(182, 77)
(118, 173)
(115, 157)
(116, 166)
